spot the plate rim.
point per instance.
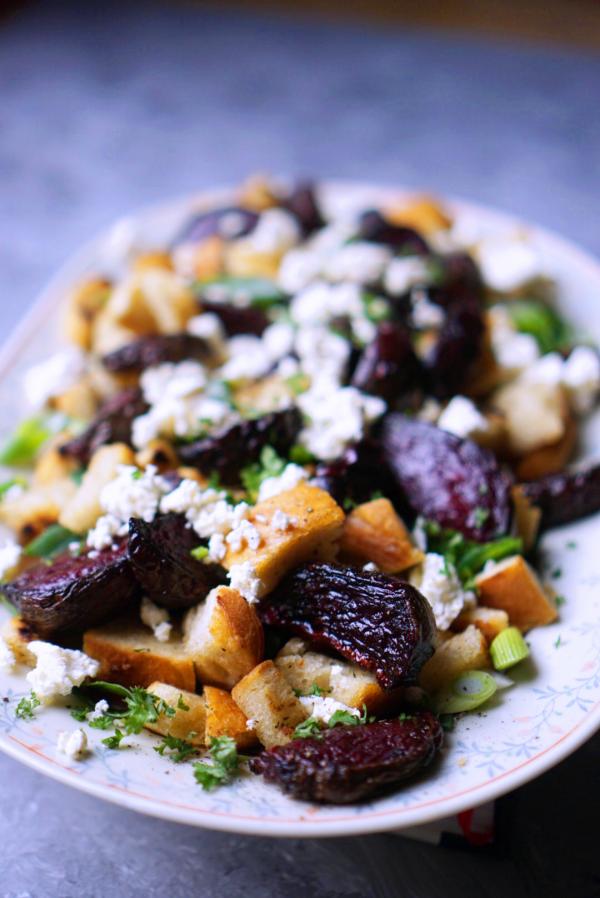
(397, 819)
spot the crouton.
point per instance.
(159, 453)
(18, 634)
(205, 260)
(457, 655)
(224, 638)
(53, 466)
(78, 401)
(490, 621)
(527, 518)
(130, 654)
(257, 193)
(338, 679)
(549, 459)
(242, 259)
(152, 301)
(267, 699)
(316, 523)
(374, 532)
(109, 335)
(189, 720)
(32, 511)
(225, 718)
(82, 307)
(152, 260)
(84, 509)
(535, 415)
(513, 586)
(423, 213)
(264, 395)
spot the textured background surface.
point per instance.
(108, 106)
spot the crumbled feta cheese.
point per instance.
(546, 370)
(172, 379)
(208, 327)
(176, 408)
(278, 340)
(157, 619)
(132, 494)
(206, 509)
(440, 585)
(425, 314)
(581, 377)
(10, 553)
(507, 263)
(243, 578)
(512, 350)
(282, 521)
(276, 231)
(323, 355)
(336, 417)
(320, 302)
(53, 376)
(247, 359)
(100, 709)
(216, 547)
(251, 723)
(74, 744)
(7, 656)
(245, 532)
(358, 262)
(298, 268)
(462, 418)
(370, 567)
(323, 708)
(105, 532)
(58, 670)
(289, 478)
(405, 272)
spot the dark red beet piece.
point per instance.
(302, 202)
(229, 222)
(353, 763)
(74, 592)
(230, 450)
(452, 481)
(237, 321)
(377, 229)
(154, 350)
(160, 555)
(379, 622)
(457, 348)
(388, 366)
(356, 475)
(567, 496)
(112, 424)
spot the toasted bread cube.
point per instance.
(152, 301)
(267, 699)
(423, 213)
(314, 534)
(130, 654)
(204, 260)
(189, 720)
(264, 395)
(51, 466)
(108, 335)
(257, 193)
(152, 260)
(84, 509)
(31, 512)
(338, 679)
(225, 718)
(535, 415)
(159, 453)
(83, 306)
(18, 634)
(224, 637)
(78, 401)
(513, 586)
(457, 655)
(374, 532)
(490, 621)
(549, 459)
(242, 259)
(527, 518)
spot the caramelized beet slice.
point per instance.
(160, 555)
(457, 348)
(452, 481)
(377, 229)
(229, 222)
(302, 202)
(112, 424)
(379, 622)
(356, 474)
(74, 592)
(351, 763)
(237, 321)
(154, 350)
(230, 450)
(388, 366)
(565, 497)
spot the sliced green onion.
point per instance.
(253, 291)
(466, 693)
(476, 556)
(199, 553)
(26, 441)
(533, 317)
(508, 648)
(54, 540)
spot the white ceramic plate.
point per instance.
(554, 707)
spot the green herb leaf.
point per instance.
(307, 729)
(181, 705)
(199, 553)
(26, 441)
(343, 718)
(177, 750)
(115, 740)
(300, 455)
(534, 317)
(26, 707)
(271, 465)
(223, 766)
(142, 707)
(261, 293)
(298, 383)
(467, 556)
(52, 542)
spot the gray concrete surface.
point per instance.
(105, 106)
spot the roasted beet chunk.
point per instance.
(379, 622)
(230, 450)
(452, 481)
(356, 475)
(388, 366)
(302, 202)
(229, 222)
(457, 348)
(154, 350)
(352, 763)
(377, 229)
(112, 424)
(160, 554)
(565, 497)
(236, 320)
(74, 592)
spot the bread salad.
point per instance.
(279, 501)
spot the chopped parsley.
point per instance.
(556, 573)
(466, 556)
(141, 708)
(300, 455)
(177, 750)
(480, 516)
(199, 553)
(181, 705)
(559, 600)
(115, 740)
(270, 465)
(308, 729)
(534, 317)
(558, 642)
(222, 767)
(26, 707)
